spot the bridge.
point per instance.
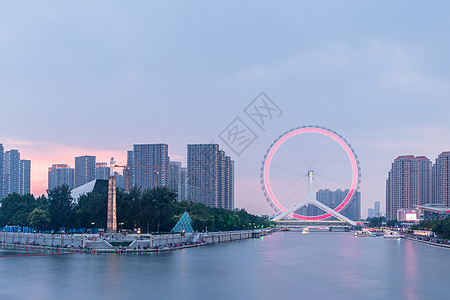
(311, 199)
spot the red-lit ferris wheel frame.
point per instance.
(265, 168)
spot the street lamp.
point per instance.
(93, 227)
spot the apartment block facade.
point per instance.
(148, 165)
(59, 174)
(84, 169)
(210, 176)
(408, 184)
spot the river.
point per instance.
(318, 265)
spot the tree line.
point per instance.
(377, 222)
(440, 227)
(151, 210)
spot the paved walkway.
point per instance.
(428, 240)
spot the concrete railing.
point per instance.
(137, 242)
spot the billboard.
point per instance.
(408, 215)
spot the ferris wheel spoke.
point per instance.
(330, 164)
(294, 193)
(335, 178)
(301, 156)
(314, 155)
(297, 182)
(289, 169)
(319, 185)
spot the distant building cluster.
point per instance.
(333, 199)
(86, 169)
(414, 181)
(375, 211)
(208, 177)
(177, 179)
(15, 173)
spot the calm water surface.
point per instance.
(285, 264)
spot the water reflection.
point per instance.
(411, 271)
(283, 265)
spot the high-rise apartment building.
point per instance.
(441, 180)
(11, 169)
(59, 174)
(183, 184)
(353, 208)
(84, 169)
(408, 184)
(15, 173)
(128, 171)
(203, 174)
(210, 176)
(221, 183)
(120, 180)
(148, 165)
(434, 198)
(102, 171)
(376, 206)
(228, 201)
(25, 177)
(424, 179)
(175, 178)
(324, 196)
(1, 171)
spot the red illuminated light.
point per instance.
(322, 131)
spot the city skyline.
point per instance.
(81, 89)
(183, 160)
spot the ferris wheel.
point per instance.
(303, 163)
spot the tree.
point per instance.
(446, 228)
(219, 219)
(376, 221)
(440, 227)
(42, 202)
(127, 205)
(392, 223)
(15, 209)
(92, 208)
(39, 219)
(61, 207)
(156, 207)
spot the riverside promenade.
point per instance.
(428, 240)
(121, 243)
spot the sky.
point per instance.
(96, 77)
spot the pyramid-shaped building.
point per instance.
(184, 224)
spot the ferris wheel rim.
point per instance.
(280, 140)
